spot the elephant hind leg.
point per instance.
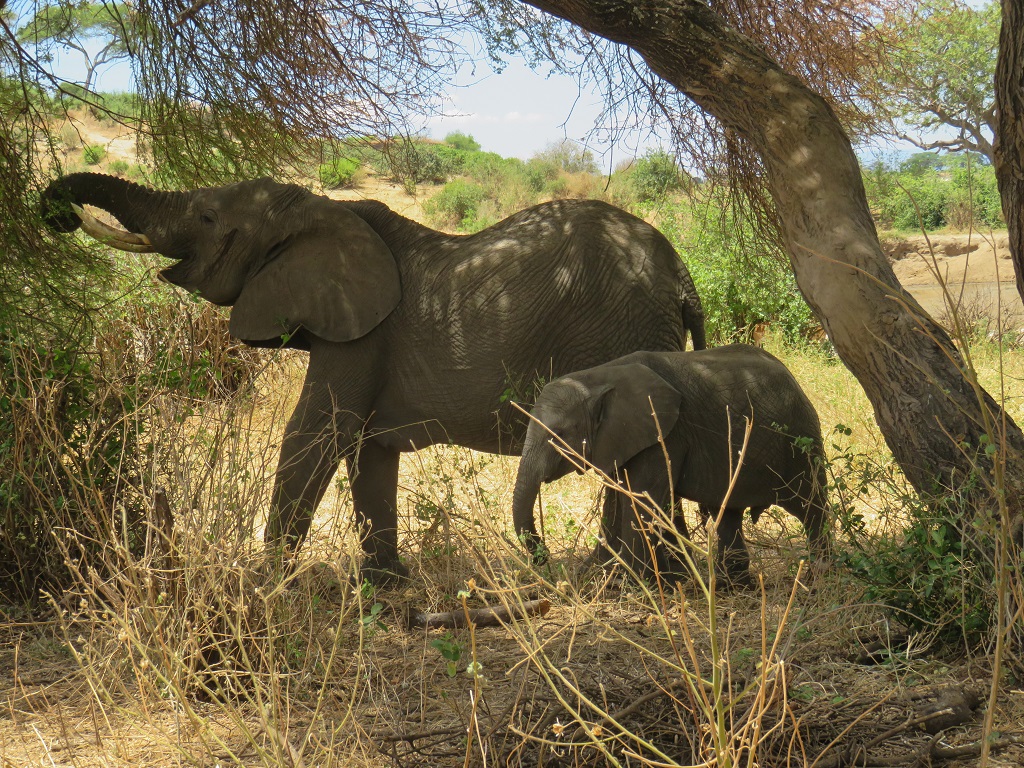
(733, 558)
(814, 515)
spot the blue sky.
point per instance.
(517, 112)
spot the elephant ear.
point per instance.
(338, 281)
(624, 425)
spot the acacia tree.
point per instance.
(80, 27)
(935, 75)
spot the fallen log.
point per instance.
(482, 617)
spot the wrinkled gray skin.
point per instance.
(414, 336)
(701, 399)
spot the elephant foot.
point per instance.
(737, 581)
(600, 557)
(384, 573)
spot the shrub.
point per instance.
(568, 156)
(76, 426)
(656, 174)
(462, 141)
(339, 172)
(930, 565)
(742, 283)
(93, 154)
(542, 174)
(580, 186)
(119, 167)
(70, 138)
(69, 446)
(455, 205)
(417, 162)
(916, 202)
(932, 191)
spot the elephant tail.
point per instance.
(693, 320)
(693, 310)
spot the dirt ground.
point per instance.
(971, 272)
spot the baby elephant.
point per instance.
(702, 401)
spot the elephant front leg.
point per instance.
(310, 454)
(373, 472)
(608, 542)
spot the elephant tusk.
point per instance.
(108, 235)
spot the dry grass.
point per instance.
(194, 652)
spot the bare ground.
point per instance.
(970, 273)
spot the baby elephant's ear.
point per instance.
(624, 421)
(338, 282)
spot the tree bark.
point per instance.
(1009, 148)
(932, 416)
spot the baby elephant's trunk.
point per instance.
(528, 482)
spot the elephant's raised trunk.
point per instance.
(147, 214)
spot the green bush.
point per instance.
(568, 156)
(78, 419)
(462, 141)
(455, 205)
(106, 107)
(69, 447)
(339, 172)
(93, 154)
(931, 564)
(916, 202)
(418, 162)
(542, 174)
(742, 283)
(932, 191)
(119, 167)
(656, 175)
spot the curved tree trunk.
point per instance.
(931, 415)
(1009, 148)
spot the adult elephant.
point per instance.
(414, 336)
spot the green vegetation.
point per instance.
(93, 154)
(455, 206)
(76, 444)
(655, 176)
(934, 85)
(744, 284)
(96, 31)
(340, 172)
(930, 191)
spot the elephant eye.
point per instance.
(207, 217)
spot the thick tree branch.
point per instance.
(1009, 149)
